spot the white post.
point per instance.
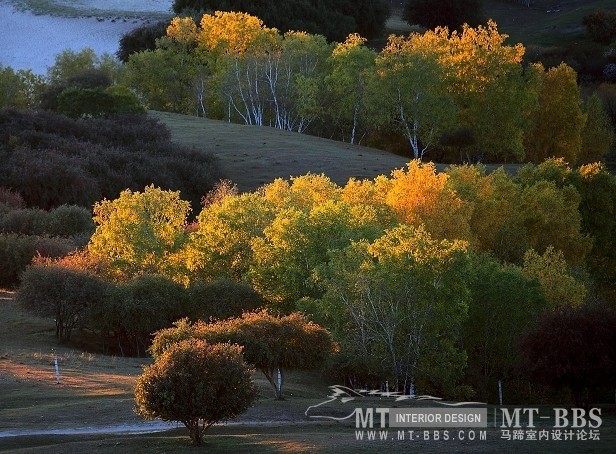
(500, 393)
(57, 370)
(279, 381)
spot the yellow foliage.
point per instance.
(236, 33)
(420, 195)
(303, 192)
(183, 30)
(352, 42)
(559, 286)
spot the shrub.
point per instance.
(29, 221)
(140, 39)
(575, 348)
(272, 344)
(222, 299)
(135, 310)
(61, 293)
(601, 26)
(53, 160)
(11, 199)
(69, 220)
(197, 384)
(16, 253)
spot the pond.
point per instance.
(33, 33)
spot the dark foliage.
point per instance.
(51, 160)
(601, 26)
(61, 293)
(135, 310)
(335, 19)
(17, 252)
(574, 348)
(222, 299)
(64, 221)
(444, 13)
(140, 39)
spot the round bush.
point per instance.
(196, 383)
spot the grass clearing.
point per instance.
(252, 156)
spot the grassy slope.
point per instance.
(545, 23)
(252, 156)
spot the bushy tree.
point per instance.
(134, 310)
(573, 347)
(272, 344)
(503, 305)
(400, 301)
(20, 89)
(140, 39)
(559, 120)
(61, 293)
(598, 133)
(139, 232)
(443, 13)
(197, 384)
(601, 26)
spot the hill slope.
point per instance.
(251, 156)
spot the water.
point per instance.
(30, 41)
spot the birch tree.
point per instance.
(409, 94)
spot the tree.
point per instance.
(19, 89)
(335, 19)
(488, 84)
(197, 384)
(400, 301)
(346, 83)
(410, 95)
(139, 232)
(559, 120)
(61, 293)
(445, 13)
(598, 134)
(551, 270)
(503, 305)
(574, 347)
(272, 344)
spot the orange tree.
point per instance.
(197, 384)
(272, 344)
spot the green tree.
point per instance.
(551, 270)
(272, 344)
(598, 134)
(444, 13)
(488, 84)
(558, 122)
(400, 300)
(409, 95)
(350, 63)
(503, 305)
(139, 232)
(197, 384)
(20, 89)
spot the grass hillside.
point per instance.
(544, 22)
(252, 156)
